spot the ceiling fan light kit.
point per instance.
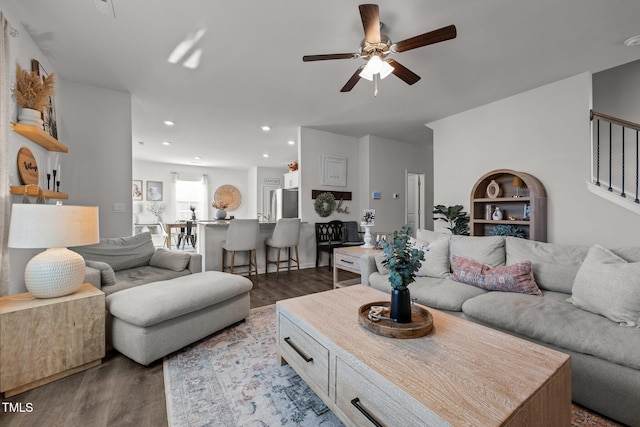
(376, 47)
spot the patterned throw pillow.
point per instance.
(510, 278)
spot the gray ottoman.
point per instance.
(153, 320)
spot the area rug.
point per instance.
(233, 378)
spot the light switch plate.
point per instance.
(118, 207)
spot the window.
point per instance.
(190, 194)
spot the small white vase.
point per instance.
(29, 116)
(497, 214)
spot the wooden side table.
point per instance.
(43, 340)
(348, 259)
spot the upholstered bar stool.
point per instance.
(286, 235)
(242, 236)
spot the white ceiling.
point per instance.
(251, 72)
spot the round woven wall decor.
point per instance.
(325, 204)
(229, 195)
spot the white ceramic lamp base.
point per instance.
(367, 237)
(54, 273)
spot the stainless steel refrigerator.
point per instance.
(284, 204)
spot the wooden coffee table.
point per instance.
(460, 374)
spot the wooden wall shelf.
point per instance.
(40, 137)
(512, 202)
(35, 191)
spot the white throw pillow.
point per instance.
(436, 259)
(608, 285)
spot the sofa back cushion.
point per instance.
(554, 266)
(487, 250)
(170, 260)
(120, 253)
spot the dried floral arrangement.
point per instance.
(31, 91)
(220, 204)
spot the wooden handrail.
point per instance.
(615, 120)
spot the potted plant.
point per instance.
(457, 219)
(32, 95)
(403, 261)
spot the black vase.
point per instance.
(400, 305)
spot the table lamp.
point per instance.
(517, 182)
(57, 271)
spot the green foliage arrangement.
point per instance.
(401, 259)
(325, 204)
(31, 90)
(508, 230)
(457, 219)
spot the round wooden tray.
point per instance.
(421, 322)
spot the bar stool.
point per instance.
(242, 236)
(285, 235)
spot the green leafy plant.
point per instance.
(457, 219)
(508, 230)
(402, 260)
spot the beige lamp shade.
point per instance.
(517, 182)
(53, 226)
(57, 271)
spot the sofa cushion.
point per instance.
(157, 302)
(554, 266)
(436, 258)
(608, 285)
(380, 258)
(488, 250)
(441, 294)
(551, 319)
(429, 236)
(170, 260)
(512, 278)
(107, 275)
(132, 277)
(120, 253)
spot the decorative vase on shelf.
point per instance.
(221, 214)
(497, 214)
(30, 116)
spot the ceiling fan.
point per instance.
(377, 46)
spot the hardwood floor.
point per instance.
(120, 392)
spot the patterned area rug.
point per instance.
(233, 378)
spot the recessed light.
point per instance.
(632, 41)
(166, 143)
(265, 155)
(197, 158)
(291, 142)
(169, 122)
(265, 128)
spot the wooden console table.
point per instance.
(42, 340)
(348, 259)
(461, 373)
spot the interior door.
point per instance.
(415, 200)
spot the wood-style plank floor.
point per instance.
(120, 392)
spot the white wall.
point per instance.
(96, 126)
(616, 92)
(387, 162)
(154, 171)
(545, 132)
(313, 144)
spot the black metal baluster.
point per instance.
(622, 193)
(598, 155)
(610, 157)
(637, 168)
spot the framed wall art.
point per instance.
(154, 191)
(49, 113)
(136, 190)
(334, 171)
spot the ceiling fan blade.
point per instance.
(435, 36)
(405, 74)
(308, 58)
(353, 80)
(371, 22)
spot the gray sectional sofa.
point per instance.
(588, 306)
(119, 263)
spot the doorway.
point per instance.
(415, 200)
